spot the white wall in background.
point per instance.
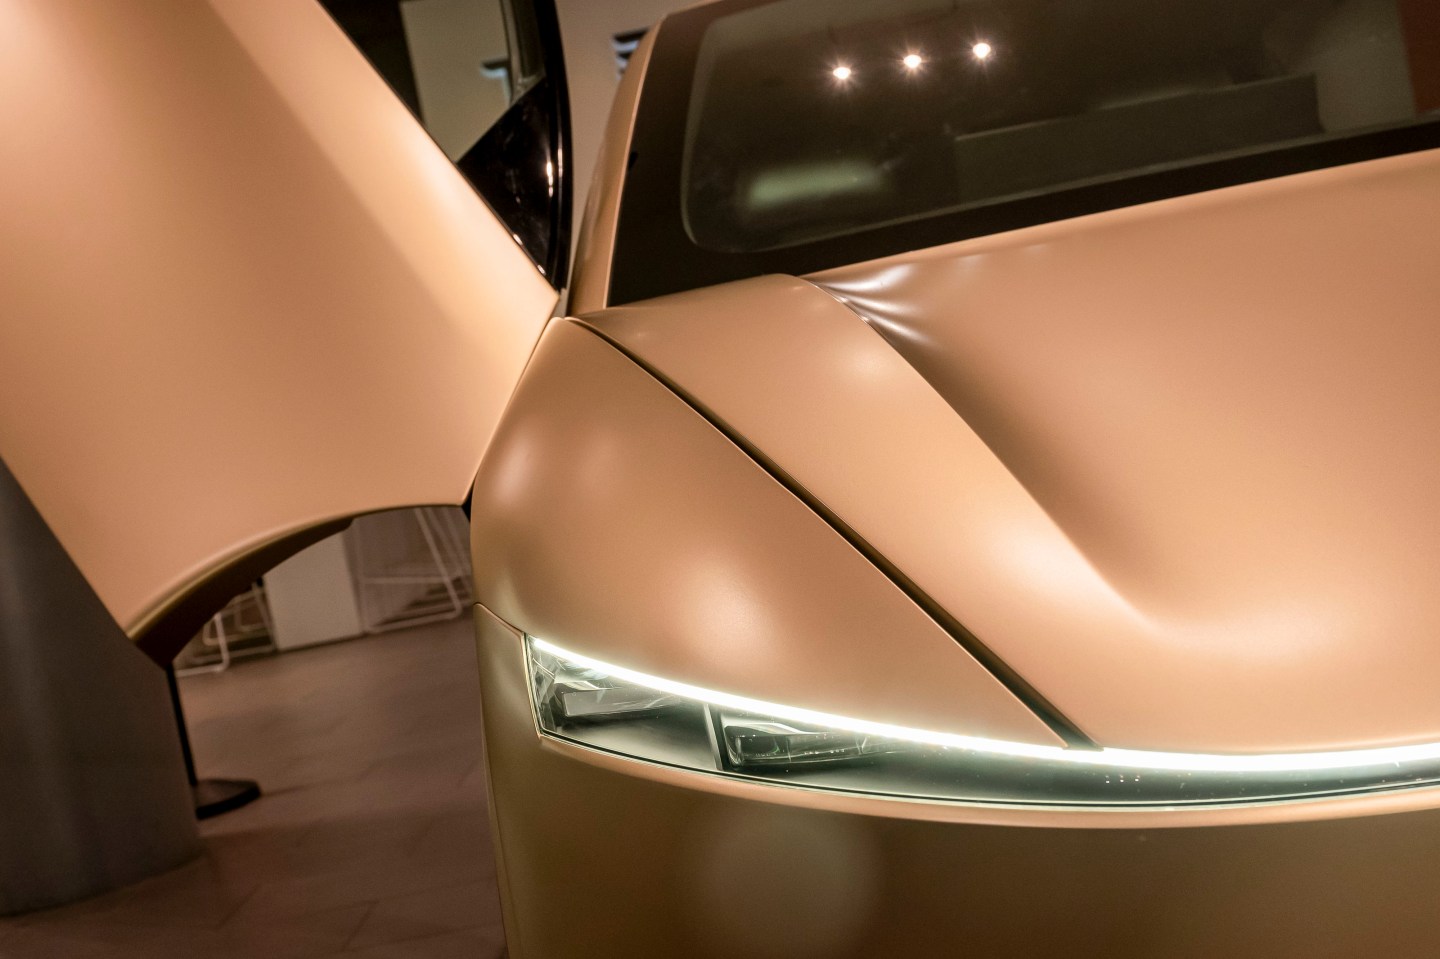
(311, 596)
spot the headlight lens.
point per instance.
(619, 710)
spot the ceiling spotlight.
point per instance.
(912, 61)
(841, 73)
(982, 50)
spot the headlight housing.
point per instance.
(619, 710)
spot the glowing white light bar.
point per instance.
(1116, 758)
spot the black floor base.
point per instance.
(216, 796)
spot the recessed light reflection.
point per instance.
(841, 72)
(912, 61)
(982, 50)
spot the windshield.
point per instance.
(797, 135)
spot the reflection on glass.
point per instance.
(1085, 93)
(460, 58)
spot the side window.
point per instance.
(486, 78)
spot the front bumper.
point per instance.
(601, 856)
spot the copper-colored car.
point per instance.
(983, 498)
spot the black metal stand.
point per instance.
(212, 796)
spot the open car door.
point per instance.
(244, 295)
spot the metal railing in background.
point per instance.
(410, 567)
(407, 567)
(242, 628)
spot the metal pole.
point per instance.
(212, 796)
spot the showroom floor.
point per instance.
(371, 840)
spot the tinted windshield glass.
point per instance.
(802, 134)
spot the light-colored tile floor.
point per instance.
(371, 840)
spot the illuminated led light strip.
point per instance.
(1116, 758)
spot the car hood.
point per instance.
(1175, 466)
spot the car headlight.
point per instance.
(623, 711)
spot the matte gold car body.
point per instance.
(586, 500)
(604, 857)
(1109, 447)
(276, 305)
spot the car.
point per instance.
(978, 499)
